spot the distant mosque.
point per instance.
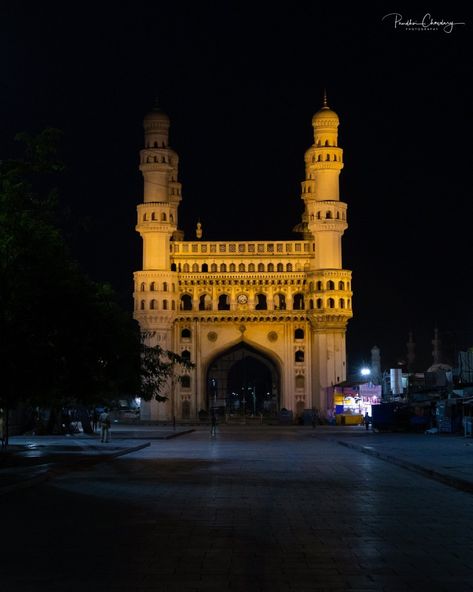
(263, 321)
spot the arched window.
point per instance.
(165, 286)
(251, 267)
(261, 303)
(320, 303)
(299, 334)
(298, 302)
(326, 143)
(232, 267)
(270, 267)
(279, 302)
(186, 355)
(163, 217)
(280, 267)
(186, 302)
(205, 267)
(327, 158)
(145, 217)
(142, 305)
(241, 267)
(195, 268)
(223, 302)
(319, 285)
(152, 286)
(331, 303)
(319, 215)
(173, 267)
(349, 303)
(330, 285)
(171, 218)
(311, 304)
(260, 267)
(173, 305)
(155, 145)
(338, 215)
(341, 285)
(143, 287)
(223, 267)
(299, 356)
(185, 268)
(289, 267)
(153, 216)
(213, 267)
(205, 302)
(153, 305)
(186, 334)
(319, 159)
(341, 303)
(165, 304)
(328, 215)
(186, 383)
(300, 382)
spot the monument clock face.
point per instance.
(242, 299)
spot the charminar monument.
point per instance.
(263, 321)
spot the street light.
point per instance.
(365, 371)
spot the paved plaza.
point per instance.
(254, 509)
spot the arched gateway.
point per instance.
(264, 321)
(243, 380)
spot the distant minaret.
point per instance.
(411, 355)
(436, 353)
(375, 365)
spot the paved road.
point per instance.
(253, 509)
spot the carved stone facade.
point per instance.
(264, 321)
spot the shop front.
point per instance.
(351, 403)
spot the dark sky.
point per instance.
(241, 83)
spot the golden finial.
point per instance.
(325, 105)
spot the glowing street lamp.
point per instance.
(365, 371)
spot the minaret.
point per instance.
(375, 365)
(156, 286)
(436, 343)
(411, 354)
(329, 285)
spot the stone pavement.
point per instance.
(31, 459)
(252, 510)
(447, 458)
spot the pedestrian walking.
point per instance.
(95, 420)
(213, 424)
(105, 425)
(315, 417)
(367, 420)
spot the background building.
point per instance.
(264, 321)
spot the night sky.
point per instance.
(241, 83)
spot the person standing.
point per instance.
(213, 424)
(95, 420)
(105, 425)
(367, 420)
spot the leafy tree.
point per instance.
(159, 367)
(63, 338)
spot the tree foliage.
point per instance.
(63, 338)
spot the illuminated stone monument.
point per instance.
(263, 321)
